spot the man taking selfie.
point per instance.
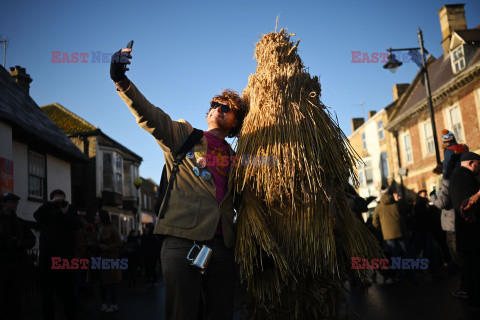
(200, 209)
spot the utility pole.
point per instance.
(393, 64)
(429, 95)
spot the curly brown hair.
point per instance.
(238, 106)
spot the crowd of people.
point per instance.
(67, 237)
(441, 226)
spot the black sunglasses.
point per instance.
(224, 107)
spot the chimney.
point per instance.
(398, 90)
(452, 17)
(371, 113)
(356, 123)
(21, 77)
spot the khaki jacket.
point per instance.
(111, 239)
(192, 211)
(387, 216)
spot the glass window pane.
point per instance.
(427, 129)
(107, 171)
(361, 178)
(369, 175)
(128, 181)
(455, 115)
(118, 164)
(384, 163)
(118, 183)
(36, 174)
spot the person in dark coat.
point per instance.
(451, 154)
(151, 253)
(356, 203)
(464, 192)
(108, 244)
(15, 239)
(58, 223)
(426, 222)
(132, 252)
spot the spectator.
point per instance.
(451, 154)
(423, 217)
(84, 239)
(58, 223)
(15, 239)
(151, 253)
(108, 244)
(132, 251)
(447, 219)
(388, 218)
(464, 188)
(356, 203)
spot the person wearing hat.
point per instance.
(464, 193)
(451, 154)
(58, 223)
(15, 239)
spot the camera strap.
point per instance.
(165, 187)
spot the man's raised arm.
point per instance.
(168, 133)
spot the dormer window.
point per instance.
(458, 59)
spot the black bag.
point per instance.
(165, 185)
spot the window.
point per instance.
(381, 133)
(368, 171)
(364, 141)
(408, 147)
(458, 59)
(127, 181)
(361, 176)
(456, 122)
(112, 172)
(135, 172)
(384, 165)
(107, 171)
(365, 172)
(429, 143)
(118, 174)
(36, 175)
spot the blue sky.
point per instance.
(186, 52)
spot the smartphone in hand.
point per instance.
(130, 45)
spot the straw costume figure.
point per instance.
(296, 234)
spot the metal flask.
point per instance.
(202, 258)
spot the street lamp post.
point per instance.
(393, 64)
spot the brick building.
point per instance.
(455, 85)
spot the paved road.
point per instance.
(429, 299)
